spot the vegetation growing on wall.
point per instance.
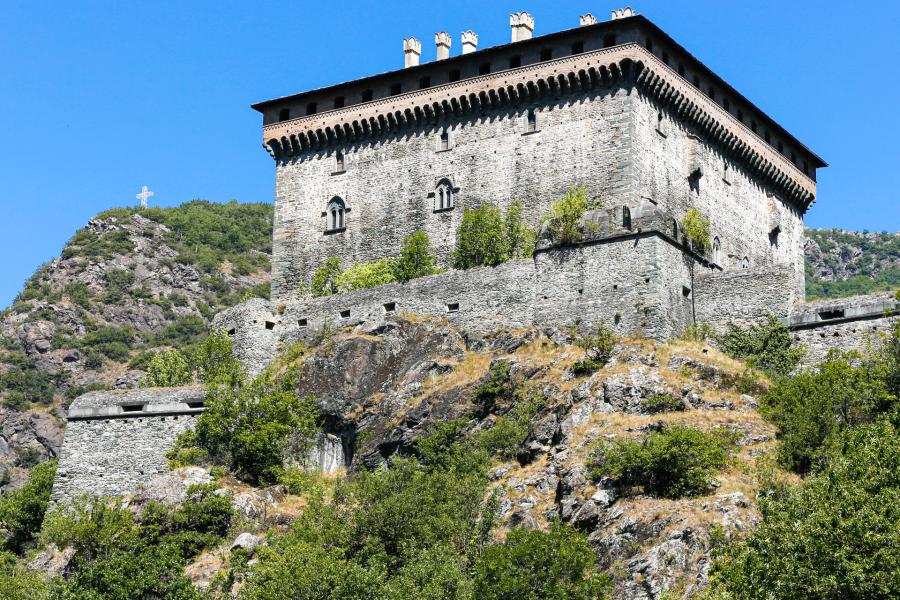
(487, 237)
(564, 221)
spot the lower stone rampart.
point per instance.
(745, 296)
(117, 440)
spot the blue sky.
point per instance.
(99, 98)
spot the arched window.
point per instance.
(443, 195)
(716, 248)
(335, 215)
(745, 263)
(626, 217)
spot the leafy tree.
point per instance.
(768, 346)
(366, 275)
(18, 582)
(815, 404)
(22, 510)
(415, 258)
(481, 238)
(598, 349)
(249, 425)
(674, 462)
(696, 233)
(324, 281)
(833, 536)
(522, 239)
(533, 564)
(167, 369)
(564, 220)
(201, 521)
(213, 360)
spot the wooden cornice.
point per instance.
(571, 74)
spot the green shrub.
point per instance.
(481, 238)
(520, 237)
(815, 404)
(768, 346)
(835, 535)
(698, 332)
(659, 403)
(18, 582)
(201, 521)
(695, 228)
(564, 221)
(598, 349)
(415, 259)
(26, 383)
(671, 463)
(509, 431)
(212, 361)
(324, 281)
(498, 388)
(366, 275)
(530, 563)
(22, 510)
(184, 331)
(113, 342)
(79, 293)
(167, 369)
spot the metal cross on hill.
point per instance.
(145, 195)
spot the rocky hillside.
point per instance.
(845, 263)
(128, 284)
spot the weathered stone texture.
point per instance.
(745, 296)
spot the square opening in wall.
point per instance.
(453, 307)
(270, 325)
(231, 331)
(827, 315)
(390, 307)
(685, 291)
(129, 408)
(197, 404)
(302, 322)
(345, 314)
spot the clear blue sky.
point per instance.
(98, 98)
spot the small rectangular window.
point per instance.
(396, 88)
(685, 291)
(311, 108)
(339, 102)
(445, 140)
(609, 40)
(453, 307)
(367, 95)
(390, 307)
(345, 314)
(424, 82)
(284, 114)
(546, 54)
(578, 47)
(532, 121)
(454, 75)
(827, 315)
(232, 331)
(196, 404)
(515, 62)
(303, 322)
(270, 325)
(132, 408)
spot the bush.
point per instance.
(558, 563)
(659, 403)
(167, 369)
(22, 510)
(677, 461)
(520, 237)
(696, 230)
(815, 404)
(598, 350)
(201, 521)
(248, 425)
(365, 275)
(184, 331)
(698, 332)
(564, 221)
(415, 258)
(79, 293)
(212, 361)
(324, 281)
(497, 388)
(768, 346)
(481, 238)
(833, 536)
(509, 431)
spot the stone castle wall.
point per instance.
(117, 440)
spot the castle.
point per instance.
(618, 107)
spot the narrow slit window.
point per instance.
(445, 140)
(532, 121)
(390, 307)
(302, 322)
(626, 217)
(129, 408)
(270, 325)
(232, 331)
(453, 307)
(196, 404)
(339, 162)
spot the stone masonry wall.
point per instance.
(110, 448)
(580, 139)
(744, 296)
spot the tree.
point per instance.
(366, 275)
(213, 360)
(521, 238)
(696, 233)
(167, 369)
(324, 281)
(564, 220)
(533, 564)
(767, 346)
(22, 510)
(481, 238)
(415, 258)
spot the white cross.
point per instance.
(145, 195)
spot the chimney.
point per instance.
(587, 19)
(522, 26)
(622, 13)
(469, 41)
(442, 39)
(412, 50)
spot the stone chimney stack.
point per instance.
(442, 39)
(522, 25)
(587, 19)
(412, 50)
(469, 42)
(622, 13)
